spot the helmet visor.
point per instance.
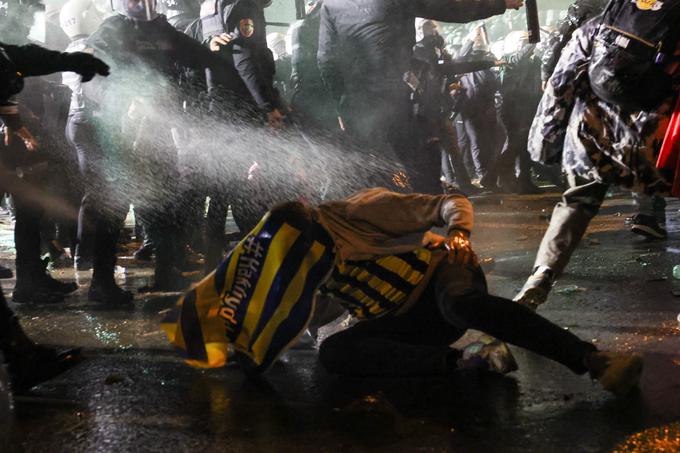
(144, 10)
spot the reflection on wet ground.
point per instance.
(133, 394)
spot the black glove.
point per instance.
(86, 65)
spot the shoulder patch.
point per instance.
(648, 5)
(246, 27)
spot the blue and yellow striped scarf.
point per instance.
(260, 299)
(372, 288)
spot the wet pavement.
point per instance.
(133, 394)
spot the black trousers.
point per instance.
(28, 193)
(6, 317)
(417, 342)
(102, 208)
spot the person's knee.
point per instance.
(459, 310)
(454, 280)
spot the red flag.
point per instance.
(670, 149)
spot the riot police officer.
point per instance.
(235, 30)
(78, 20)
(134, 114)
(310, 99)
(240, 88)
(27, 160)
(28, 363)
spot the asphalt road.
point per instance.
(133, 394)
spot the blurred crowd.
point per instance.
(171, 128)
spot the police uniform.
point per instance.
(146, 55)
(27, 363)
(33, 284)
(248, 65)
(240, 88)
(520, 88)
(310, 99)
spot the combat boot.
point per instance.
(29, 364)
(109, 294)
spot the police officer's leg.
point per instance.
(412, 344)
(29, 267)
(215, 222)
(82, 138)
(28, 363)
(109, 216)
(165, 234)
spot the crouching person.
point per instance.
(413, 291)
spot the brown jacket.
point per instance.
(377, 222)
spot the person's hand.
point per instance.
(24, 134)
(514, 4)
(218, 41)
(457, 245)
(275, 119)
(454, 89)
(501, 63)
(87, 65)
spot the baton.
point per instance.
(533, 25)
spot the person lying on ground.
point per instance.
(413, 291)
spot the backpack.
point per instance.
(633, 44)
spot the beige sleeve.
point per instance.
(398, 214)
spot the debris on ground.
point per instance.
(676, 271)
(570, 289)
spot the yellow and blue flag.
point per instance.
(260, 299)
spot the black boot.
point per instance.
(145, 252)
(5, 272)
(109, 293)
(41, 288)
(29, 364)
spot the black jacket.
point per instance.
(366, 45)
(305, 41)
(145, 57)
(247, 64)
(521, 85)
(28, 60)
